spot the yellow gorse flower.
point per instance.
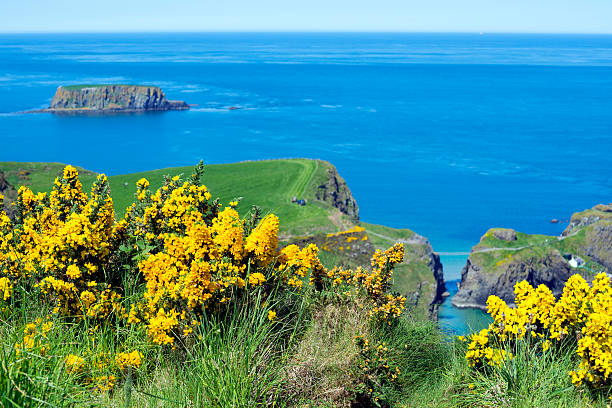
(132, 359)
(256, 279)
(582, 313)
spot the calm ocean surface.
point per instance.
(446, 134)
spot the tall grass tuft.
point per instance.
(531, 378)
(37, 377)
(237, 360)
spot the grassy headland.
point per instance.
(269, 184)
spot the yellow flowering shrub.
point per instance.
(376, 283)
(6, 288)
(74, 364)
(62, 242)
(263, 241)
(341, 241)
(100, 370)
(294, 264)
(201, 256)
(580, 318)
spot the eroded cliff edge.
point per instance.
(504, 257)
(336, 192)
(419, 277)
(112, 98)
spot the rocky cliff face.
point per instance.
(112, 98)
(588, 217)
(478, 281)
(335, 192)
(598, 243)
(430, 292)
(10, 194)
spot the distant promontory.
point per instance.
(111, 98)
(504, 257)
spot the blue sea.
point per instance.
(446, 134)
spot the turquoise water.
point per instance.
(452, 319)
(445, 134)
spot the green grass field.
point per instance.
(268, 184)
(81, 86)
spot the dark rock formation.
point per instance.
(478, 282)
(598, 243)
(430, 291)
(112, 98)
(439, 292)
(335, 192)
(585, 218)
(10, 194)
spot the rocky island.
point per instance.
(504, 257)
(111, 98)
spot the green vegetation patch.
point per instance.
(269, 184)
(493, 253)
(39, 177)
(83, 86)
(522, 240)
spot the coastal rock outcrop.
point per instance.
(588, 217)
(112, 98)
(431, 291)
(505, 234)
(479, 280)
(503, 258)
(335, 191)
(9, 194)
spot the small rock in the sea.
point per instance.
(111, 98)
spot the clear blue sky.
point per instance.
(551, 16)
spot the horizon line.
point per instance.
(476, 32)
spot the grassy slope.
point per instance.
(269, 184)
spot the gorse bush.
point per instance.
(170, 273)
(579, 321)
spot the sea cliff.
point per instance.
(335, 191)
(504, 257)
(113, 98)
(8, 194)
